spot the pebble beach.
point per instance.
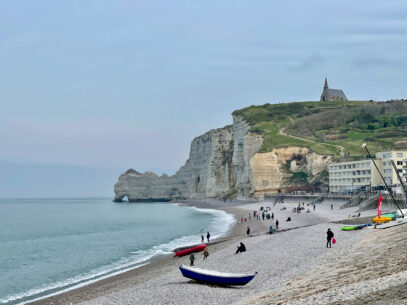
(294, 265)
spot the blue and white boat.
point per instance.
(216, 277)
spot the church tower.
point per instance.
(329, 95)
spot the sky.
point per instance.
(89, 89)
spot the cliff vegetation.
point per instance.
(330, 128)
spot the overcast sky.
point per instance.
(103, 86)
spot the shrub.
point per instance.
(299, 178)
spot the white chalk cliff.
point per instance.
(223, 163)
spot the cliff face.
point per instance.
(208, 172)
(223, 163)
(246, 145)
(276, 169)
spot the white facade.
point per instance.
(352, 174)
(388, 172)
(348, 175)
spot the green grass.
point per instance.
(352, 123)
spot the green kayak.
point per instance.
(351, 228)
(390, 215)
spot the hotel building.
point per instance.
(353, 174)
(388, 172)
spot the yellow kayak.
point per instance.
(381, 219)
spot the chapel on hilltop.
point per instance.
(329, 95)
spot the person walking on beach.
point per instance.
(272, 216)
(202, 238)
(248, 231)
(192, 259)
(332, 206)
(314, 207)
(277, 224)
(208, 236)
(329, 237)
(205, 254)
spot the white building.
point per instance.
(353, 174)
(389, 174)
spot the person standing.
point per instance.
(329, 237)
(192, 259)
(206, 254)
(208, 236)
(332, 206)
(277, 224)
(248, 231)
(272, 216)
(202, 238)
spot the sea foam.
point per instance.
(219, 227)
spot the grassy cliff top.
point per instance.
(329, 127)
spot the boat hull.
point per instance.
(195, 249)
(381, 219)
(217, 280)
(356, 227)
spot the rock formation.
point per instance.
(223, 163)
(273, 170)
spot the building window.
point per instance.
(399, 155)
(399, 162)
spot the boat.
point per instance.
(393, 215)
(399, 216)
(216, 277)
(385, 218)
(381, 219)
(351, 228)
(355, 227)
(195, 249)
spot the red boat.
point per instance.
(191, 250)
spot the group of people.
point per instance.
(208, 235)
(242, 247)
(192, 257)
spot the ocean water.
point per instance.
(52, 245)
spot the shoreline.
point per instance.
(79, 292)
(126, 283)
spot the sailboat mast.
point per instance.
(387, 187)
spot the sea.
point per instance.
(52, 245)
